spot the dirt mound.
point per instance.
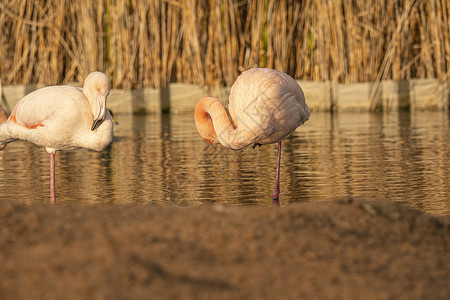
(325, 250)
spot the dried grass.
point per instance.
(209, 42)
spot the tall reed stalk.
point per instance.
(209, 42)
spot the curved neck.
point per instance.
(91, 94)
(214, 125)
(96, 88)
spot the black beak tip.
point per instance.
(95, 125)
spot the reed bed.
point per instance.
(209, 42)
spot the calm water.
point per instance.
(403, 157)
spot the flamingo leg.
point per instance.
(276, 191)
(52, 178)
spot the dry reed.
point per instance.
(209, 42)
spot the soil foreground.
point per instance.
(347, 249)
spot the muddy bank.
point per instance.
(339, 250)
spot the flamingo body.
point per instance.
(58, 123)
(62, 117)
(265, 106)
(268, 104)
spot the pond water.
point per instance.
(161, 159)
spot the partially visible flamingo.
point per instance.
(61, 118)
(265, 106)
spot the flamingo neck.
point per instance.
(96, 88)
(91, 94)
(214, 125)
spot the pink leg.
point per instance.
(276, 191)
(52, 178)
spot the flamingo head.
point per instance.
(96, 88)
(203, 120)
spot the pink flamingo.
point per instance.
(61, 118)
(265, 106)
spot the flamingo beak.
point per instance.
(96, 123)
(99, 113)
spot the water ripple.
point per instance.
(399, 156)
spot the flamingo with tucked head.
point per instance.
(265, 106)
(61, 118)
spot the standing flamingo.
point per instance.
(265, 106)
(61, 118)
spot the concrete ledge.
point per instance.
(352, 96)
(395, 95)
(428, 94)
(318, 95)
(417, 94)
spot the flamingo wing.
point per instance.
(39, 107)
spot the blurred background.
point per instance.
(209, 42)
